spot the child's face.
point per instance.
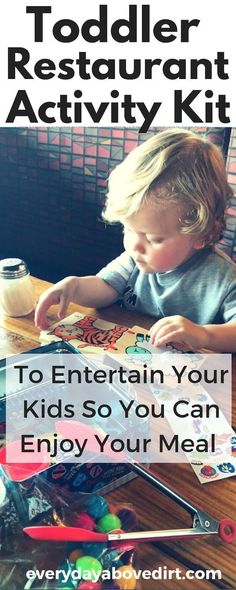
(152, 237)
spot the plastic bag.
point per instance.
(26, 564)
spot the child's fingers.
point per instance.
(153, 334)
(41, 323)
(40, 319)
(158, 326)
(170, 336)
(41, 310)
(164, 332)
(64, 302)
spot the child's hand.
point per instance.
(176, 328)
(61, 293)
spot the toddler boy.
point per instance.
(170, 194)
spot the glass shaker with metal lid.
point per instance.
(16, 289)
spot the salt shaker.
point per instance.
(16, 289)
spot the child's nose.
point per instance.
(138, 245)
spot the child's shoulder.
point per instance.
(220, 259)
(221, 254)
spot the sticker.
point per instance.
(58, 472)
(233, 446)
(226, 468)
(209, 472)
(197, 424)
(95, 470)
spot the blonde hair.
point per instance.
(175, 166)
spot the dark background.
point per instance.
(52, 190)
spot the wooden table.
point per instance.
(155, 510)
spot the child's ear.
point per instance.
(199, 244)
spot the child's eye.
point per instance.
(155, 241)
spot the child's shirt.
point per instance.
(202, 289)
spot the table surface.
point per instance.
(155, 510)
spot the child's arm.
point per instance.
(217, 337)
(90, 291)
(93, 291)
(222, 338)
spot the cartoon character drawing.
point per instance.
(139, 353)
(87, 332)
(142, 352)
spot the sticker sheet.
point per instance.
(211, 465)
(89, 334)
